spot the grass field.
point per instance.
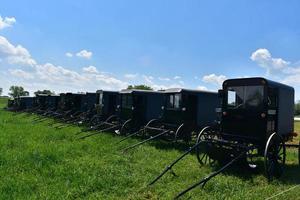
(40, 162)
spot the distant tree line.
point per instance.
(17, 91)
(140, 87)
(297, 108)
(46, 92)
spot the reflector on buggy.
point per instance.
(256, 120)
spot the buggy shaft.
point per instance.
(129, 136)
(206, 179)
(169, 167)
(99, 132)
(144, 141)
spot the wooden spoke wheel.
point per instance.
(202, 149)
(275, 155)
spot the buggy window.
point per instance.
(245, 97)
(174, 101)
(101, 98)
(126, 101)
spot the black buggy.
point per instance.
(102, 112)
(135, 109)
(105, 106)
(24, 103)
(68, 107)
(43, 106)
(184, 112)
(256, 120)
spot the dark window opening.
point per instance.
(245, 97)
(174, 101)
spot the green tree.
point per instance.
(140, 87)
(297, 108)
(47, 92)
(1, 90)
(17, 91)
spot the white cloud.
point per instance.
(68, 54)
(90, 69)
(163, 87)
(177, 77)
(50, 76)
(6, 22)
(164, 79)
(214, 79)
(130, 76)
(264, 59)
(148, 79)
(200, 87)
(15, 54)
(84, 54)
(21, 74)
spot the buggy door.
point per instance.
(190, 114)
(139, 109)
(126, 106)
(173, 113)
(112, 102)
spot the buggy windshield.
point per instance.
(245, 97)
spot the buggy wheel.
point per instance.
(152, 123)
(202, 149)
(275, 154)
(95, 120)
(126, 127)
(182, 134)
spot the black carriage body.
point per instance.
(25, 102)
(140, 105)
(70, 101)
(10, 103)
(254, 108)
(79, 102)
(106, 103)
(41, 101)
(52, 101)
(87, 101)
(190, 107)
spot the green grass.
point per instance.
(40, 162)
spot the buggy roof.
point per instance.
(47, 95)
(130, 91)
(107, 91)
(247, 81)
(180, 90)
(23, 97)
(75, 94)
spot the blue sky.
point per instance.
(191, 44)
